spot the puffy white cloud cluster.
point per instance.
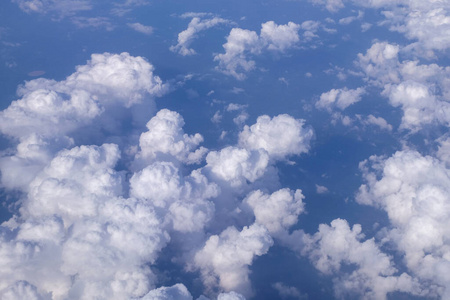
(409, 85)
(414, 191)
(225, 258)
(278, 211)
(340, 98)
(77, 235)
(187, 36)
(86, 230)
(427, 22)
(280, 136)
(266, 141)
(371, 274)
(242, 43)
(165, 137)
(50, 113)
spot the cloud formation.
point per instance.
(242, 43)
(187, 36)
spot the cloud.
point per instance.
(292, 138)
(50, 113)
(76, 234)
(339, 98)
(278, 211)
(94, 22)
(377, 121)
(242, 43)
(224, 259)
(408, 85)
(372, 274)
(288, 291)
(186, 37)
(61, 7)
(165, 138)
(148, 30)
(236, 165)
(413, 190)
(320, 189)
(177, 291)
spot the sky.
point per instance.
(275, 149)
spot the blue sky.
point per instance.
(225, 150)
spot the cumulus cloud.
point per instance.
(177, 291)
(165, 138)
(372, 275)
(224, 259)
(49, 113)
(187, 36)
(413, 190)
(339, 98)
(76, 234)
(278, 211)
(409, 85)
(242, 43)
(148, 30)
(281, 136)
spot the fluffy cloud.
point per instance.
(237, 165)
(242, 43)
(165, 137)
(377, 121)
(186, 37)
(372, 275)
(340, 98)
(148, 30)
(49, 113)
(225, 258)
(278, 211)
(413, 190)
(419, 105)
(409, 85)
(180, 201)
(177, 291)
(77, 235)
(280, 136)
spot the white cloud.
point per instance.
(165, 138)
(61, 7)
(331, 5)
(49, 113)
(409, 85)
(148, 30)
(242, 43)
(340, 98)
(237, 165)
(414, 191)
(230, 296)
(320, 189)
(279, 37)
(378, 121)
(225, 258)
(186, 37)
(94, 22)
(177, 291)
(288, 291)
(372, 275)
(278, 211)
(280, 136)
(76, 234)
